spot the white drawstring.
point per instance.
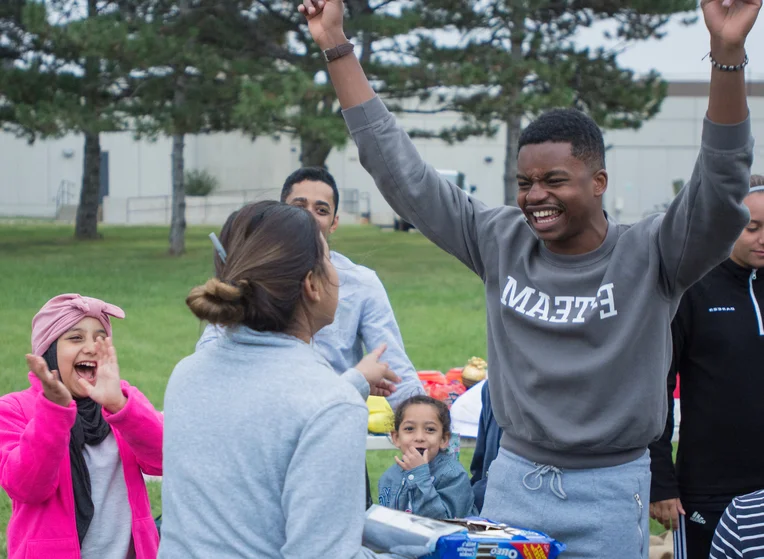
(555, 484)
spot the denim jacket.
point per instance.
(486, 448)
(439, 490)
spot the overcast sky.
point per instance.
(678, 56)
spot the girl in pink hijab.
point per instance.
(74, 445)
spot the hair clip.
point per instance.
(218, 247)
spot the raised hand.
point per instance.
(378, 374)
(52, 387)
(730, 21)
(412, 459)
(107, 389)
(324, 21)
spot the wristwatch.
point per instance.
(338, 52)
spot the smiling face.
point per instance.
(318, 198)
(76, 354)
(561, 196)
(421, 429)
(749, 248)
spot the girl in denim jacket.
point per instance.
(425, 481)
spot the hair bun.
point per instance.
(217, 302)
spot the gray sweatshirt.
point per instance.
(264, 453)
(578, 346)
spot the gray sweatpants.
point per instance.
(596, 513)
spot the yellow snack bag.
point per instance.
(381, 417)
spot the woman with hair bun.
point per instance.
(265, 446)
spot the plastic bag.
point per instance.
(381, 416)
(448, 393)
(431, 380)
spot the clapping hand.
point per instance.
(52, 387)
(107, 389)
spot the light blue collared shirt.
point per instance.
(364, 320)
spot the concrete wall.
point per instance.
(33, 174)
(642, 164)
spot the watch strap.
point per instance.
(338, 52)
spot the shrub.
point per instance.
(200, 183)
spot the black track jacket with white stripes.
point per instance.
(718, 336)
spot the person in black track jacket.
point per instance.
(718, 334)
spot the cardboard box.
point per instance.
(388, 530)
(509, 543)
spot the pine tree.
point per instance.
(190, 60)
(10, 48)
(518, 58)
(373, 25)
(61, 77)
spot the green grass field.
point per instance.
(439, 304)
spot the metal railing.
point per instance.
(65, 195)
(163, 204)
(365, 204)
(352, 202)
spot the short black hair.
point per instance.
(318, 174)
(444, 416)
(569, 126)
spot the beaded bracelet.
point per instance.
(727, 67)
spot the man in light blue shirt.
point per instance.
(364, 318)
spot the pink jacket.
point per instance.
(35, 471)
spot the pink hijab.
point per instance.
(64, 311)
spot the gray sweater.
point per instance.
(264, 454)
(578, 346)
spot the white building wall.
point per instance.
(30, 175)
(33, 174)
(642, 164)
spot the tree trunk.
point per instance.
(514, 128)
(314, 152)
(178, 221)
(86, 225)
(514, 120)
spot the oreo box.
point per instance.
(484, 539)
